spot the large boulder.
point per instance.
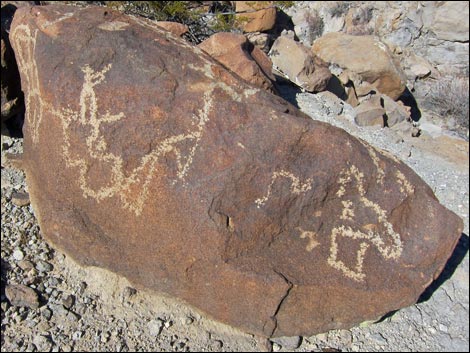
(145, 156)
(364, 57)
(299, 64)
(239, 55)
(451, 21)
(255, 16)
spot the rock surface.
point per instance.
(256, 16)
(298, 63)
(236, 187)
(236, 53)
(21, 295)
(178, 29)
(364, 56)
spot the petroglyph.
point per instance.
(405, 186)
(120, 183)
(297, 187)
(312, 241)
(52, 23)
(346, 177)
(207, 71)
(113, 26)
(356, 273)
(387, 243)
(25, 44)
(376, 161)
(348, 212)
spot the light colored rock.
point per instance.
(18, 255)
(367, 57)
(288, 343)
(396, 111)
(261, 40)
(370, 113)
(256, 16)
(298, 63)
(451, 21)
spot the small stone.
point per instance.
(4, 306)
(68, 301)
(18, 255)
(42, 343)
(25, 265)
(105, 337)
(81, 287)
(276, 347)
(155, 327)
(72, 317)
(46, 313)
(289, 343)
(168, 324)
(415, 132)
(58, 309)
(20, 199)
(77, 335)
(43, 266)
(128, 292)
(217, 345)
(443, 328)
(43, 326)
(188, 321)
(21, 295)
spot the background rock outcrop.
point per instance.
(236, 53)
(366, 58)
(168, 169)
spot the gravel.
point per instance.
(91, 309)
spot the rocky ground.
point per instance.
(59, 306)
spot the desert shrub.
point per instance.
(315, 25)
(340, 9)
(450, 98)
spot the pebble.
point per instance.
(20, 199)
(46, 313)
(77, 335)
(25, 265)
(289, 343)
(43, 266)
(18, 255)
(276, 347)
(42, 343)
(155, 327)
(21, 295)
(68, 301)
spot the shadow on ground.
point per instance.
(454, 261)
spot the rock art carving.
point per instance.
(25, 56)
(121, 181)
(387, 242)
(297, 187)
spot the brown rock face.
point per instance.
(236, 53)
(365, 57)
(178, 29)
(145, 156)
